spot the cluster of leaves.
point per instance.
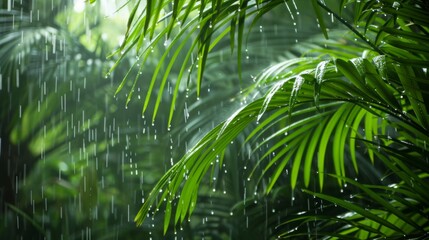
(351, 105)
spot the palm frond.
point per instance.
(362, 99)
(194, 27)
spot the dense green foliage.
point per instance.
(355, 104)
(261, 120)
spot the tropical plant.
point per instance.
(342, 131)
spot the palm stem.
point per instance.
(349, 26)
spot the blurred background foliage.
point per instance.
(79, 156)
(73, 157)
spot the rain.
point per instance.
(109, 131)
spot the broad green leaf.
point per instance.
(148, 17)
(353, 133)
(370, 128)
(297, 161)
(167, 216)
(310, 155)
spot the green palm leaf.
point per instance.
(361, 97)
